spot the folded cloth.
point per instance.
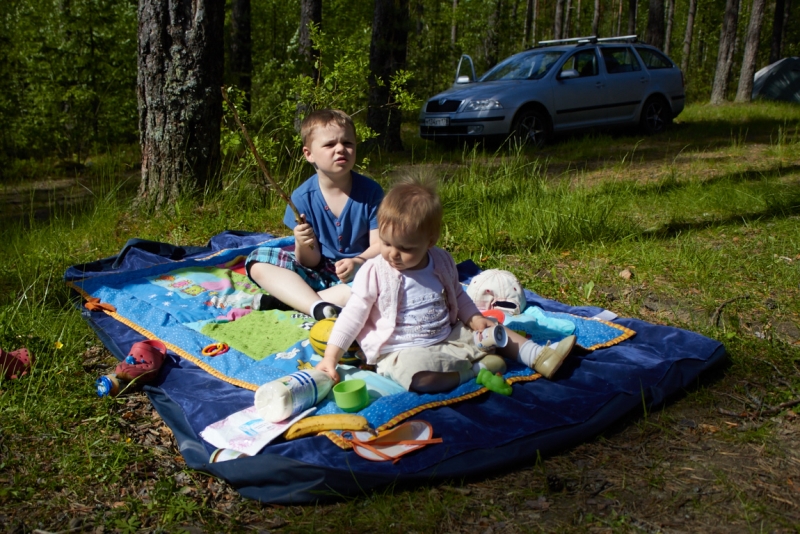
(535, 323)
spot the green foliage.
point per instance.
(68, 77)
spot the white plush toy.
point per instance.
(495, 288)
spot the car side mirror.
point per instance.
(568, 74)
(463, 79)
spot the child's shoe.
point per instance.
(550, 359)
(15, 364)
(143, 362)
(325, 310)
(491, 362)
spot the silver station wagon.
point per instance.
(559, 86)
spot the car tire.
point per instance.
(531, 128)
(656, 115)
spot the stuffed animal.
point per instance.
(497, 289)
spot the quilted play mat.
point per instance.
(192, 298)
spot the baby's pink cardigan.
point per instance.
(371, 313)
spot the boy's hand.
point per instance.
(479, 322)
(346, 268)
(303, 234)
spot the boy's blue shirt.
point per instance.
(347, 236)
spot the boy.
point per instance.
(338, 231)
(412, 318)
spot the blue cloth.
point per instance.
(348, 235)
(483, 435)
(541, 327)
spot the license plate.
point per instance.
(443, 121)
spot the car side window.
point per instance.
(585, 62)
(619, 59)
(653, 59)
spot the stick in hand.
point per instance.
(299, 219)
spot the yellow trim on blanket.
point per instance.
(627, 333)
(174, 348)
(337, 439)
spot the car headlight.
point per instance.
(482, 105)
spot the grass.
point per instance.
(706, 213)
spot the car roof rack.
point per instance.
(591, 39)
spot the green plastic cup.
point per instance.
(351, 395)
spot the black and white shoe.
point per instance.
(325, 310)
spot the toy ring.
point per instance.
(215, 349)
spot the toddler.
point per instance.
(412, 318)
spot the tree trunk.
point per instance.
(578, 20)
(596, 17)
(619, 19)
(310, 13)
(565, 32)
(632, 17)
(654, 34)
(491, 43)
(559, 19)
(454, 26)
(745, 90)
(777, 32)
(535, 18)
(241, 48)
(180, 68)
(526, 32)
(687, 38)
(670, 18)
(387, 55)
(725, 55)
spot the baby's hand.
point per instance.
(346, 269)
(329, 368)
(479, 322)
(303, 233)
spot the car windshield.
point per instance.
(531, 66)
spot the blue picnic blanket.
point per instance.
(190, 297)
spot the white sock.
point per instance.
(529, 353)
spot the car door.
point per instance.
(626, 83)
(579, 91)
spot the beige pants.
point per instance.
(457, 353)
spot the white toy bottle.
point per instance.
(280, 399)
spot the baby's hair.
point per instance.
(412, 206)
(321, 118)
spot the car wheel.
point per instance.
(656, 115)
(531, 128)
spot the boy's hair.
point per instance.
(321, 118)
(412, 206)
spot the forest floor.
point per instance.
(719, 457)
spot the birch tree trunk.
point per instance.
(180, 67)
(241, 48)
(454, 26)
(725, 55)
(687, 38)
(668, 33)
(654, 34)
(565, 31)
(596, 17)
(744, 92)
(387, 55)
(559, 19)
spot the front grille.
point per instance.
(448, 107)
